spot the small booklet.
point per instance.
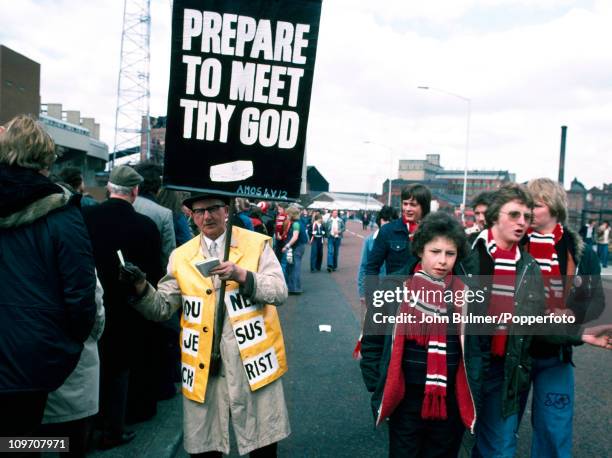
(204, 267)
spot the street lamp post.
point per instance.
(467, 141)
(368, 142)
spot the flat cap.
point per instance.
(126, 176)
(196, 196)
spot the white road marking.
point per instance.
(356, 235)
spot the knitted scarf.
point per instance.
(502, 289)
(412, 227)
(542, 248)
(430, 335)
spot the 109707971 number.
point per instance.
(35, 444)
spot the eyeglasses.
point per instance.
(211, 209)
(515, 215)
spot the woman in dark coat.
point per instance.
(47, 306)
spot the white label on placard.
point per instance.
(250, 332)
(261, 366)
(231, 171)
(237, 304)
(190, 342)
(192, 309)
(187, 376)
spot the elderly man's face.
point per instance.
(210, 215)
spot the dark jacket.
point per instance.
(585, 299)
(47, 305)
(529, 300)
(115, 225)
(376, 353)
(391, 247)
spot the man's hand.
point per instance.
(599, 336)
(229, 271)
(132, 275)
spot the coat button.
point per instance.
(209, 291)
(205, 329)
(201, 365)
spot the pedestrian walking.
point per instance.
(384, 216)
(513, 283)
(316, 243)
(297, 239)
(334, 228)
(562, 257)
(603, 240)
(419, 379)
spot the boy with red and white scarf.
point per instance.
(569, 271)
(425, 390)
(516, 288)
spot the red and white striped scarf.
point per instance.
(412, 227)
(542, 248)
(502, 289)
(430, 335)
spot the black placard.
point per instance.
(241, 75)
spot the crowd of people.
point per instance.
(108, 306)
(432, 380)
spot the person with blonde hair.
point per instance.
(572, 286)
(47, 306)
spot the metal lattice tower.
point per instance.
(132, 122)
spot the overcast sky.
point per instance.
(528, 66)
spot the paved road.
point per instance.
(328, 405)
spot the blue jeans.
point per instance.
(316, 254)
(495, 436)
(552, 409)
(294, 271)
(333, 248)
(602, 252)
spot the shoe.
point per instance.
(295, 293)
(112, 442)
(329, 269)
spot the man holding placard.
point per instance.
(241, 75)
(247, 388)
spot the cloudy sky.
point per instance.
(528, 67)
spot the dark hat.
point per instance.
(195, 196)
(125, 176)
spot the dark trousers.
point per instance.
(316, 254)
(113, 401)
(77, 431)
(269, 451)
(145, 374)
(411, 436)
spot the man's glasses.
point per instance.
(515, 215)
(211, 209)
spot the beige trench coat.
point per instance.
(259, 418)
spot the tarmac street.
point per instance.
(327, 401)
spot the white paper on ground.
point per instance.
(325, 328)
